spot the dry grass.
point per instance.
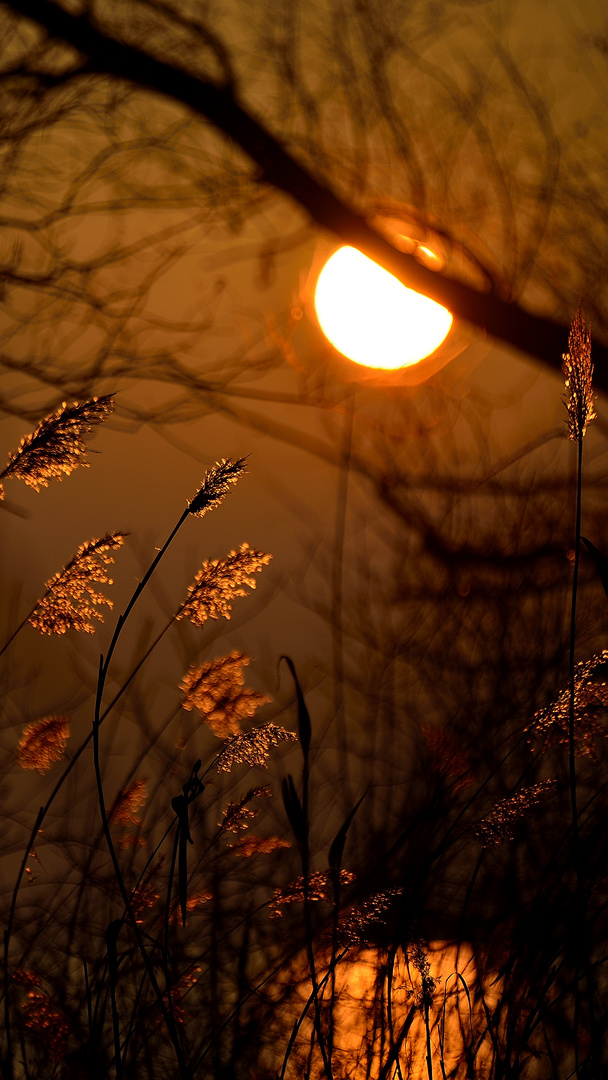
(191, 936)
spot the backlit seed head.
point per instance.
(578, 369)
(56, 446)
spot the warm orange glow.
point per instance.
(372, 318)
(459, 1008)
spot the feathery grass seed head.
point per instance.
(221, 581)
(143, 899)
(500, 823)
(238, 818)
(216, 691)
(257, 845)
(56, 446)
(253, 747)
(578, 369)
(423, 994)
(26, 978)
(354, 924)
(193, 902)
(178, 991)
(552, 723)
(237, 815)
(320, 887)
(49, 1025)
(70, 601)
(130, 841)
(125, 807)
(43, 743)
(216, 485)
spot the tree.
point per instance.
(108, 53)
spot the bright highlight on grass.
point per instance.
(372, 318)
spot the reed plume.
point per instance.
(582, 701)
(221, 581)
(354, 924)
(237, 815)
(70, 602)
(253, 747)
(129, 841)
(578, 370)
(216, 485)
(500, 823)
(258, 845)
(47, 1023)
(43, 743)
(177, 993)
(423, 994)
(26, 978)
(144, 897)
(193, 902)
(56, 446)
(317, 886)
(216, 691)
(124, 809)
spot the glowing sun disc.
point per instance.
(372, 318)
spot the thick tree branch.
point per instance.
(509, 322)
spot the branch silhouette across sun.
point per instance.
(374, 320)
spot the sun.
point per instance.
(370, 317)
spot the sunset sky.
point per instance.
(420, 528)
(186, 289)
(188, 292)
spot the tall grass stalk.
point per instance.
(578, 368)
(147, 959)
(576, 850)
(298, 814)
(32, 463)
(164, 1001)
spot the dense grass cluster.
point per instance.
(189, 933)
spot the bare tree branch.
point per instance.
(532, 334)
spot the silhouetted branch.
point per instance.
(532, 334)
